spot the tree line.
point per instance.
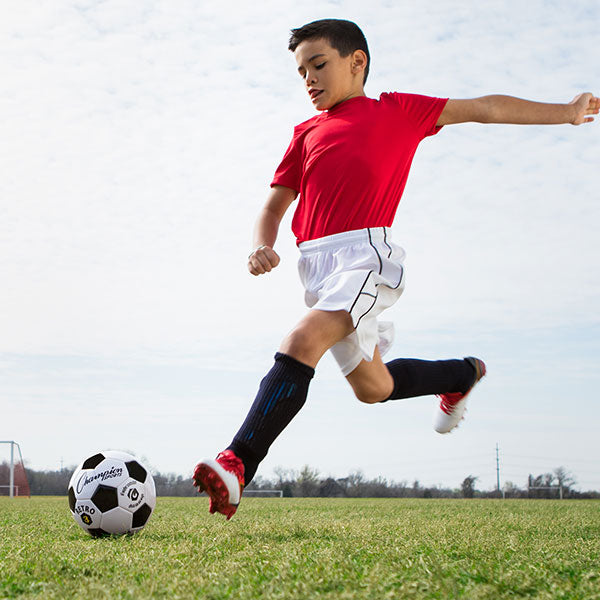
(308, 482)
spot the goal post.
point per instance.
(559, 488)
(13, 472)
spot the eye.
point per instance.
(318, 67)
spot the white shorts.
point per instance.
(361, 272)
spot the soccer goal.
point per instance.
(13, 478)
(264, 493)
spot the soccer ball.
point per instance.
(111, 493)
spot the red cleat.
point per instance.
(453, 405)
(223, 480)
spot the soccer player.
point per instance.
(349, 165)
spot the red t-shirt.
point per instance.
(350, 163)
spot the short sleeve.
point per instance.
(289, 171)
(423, 111)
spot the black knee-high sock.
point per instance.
(414, 377)
(281, 395)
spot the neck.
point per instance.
(349, 97)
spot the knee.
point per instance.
(300, 339)
(302, 343)
(371, 394)
(371, 382)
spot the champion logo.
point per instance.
(111, 473)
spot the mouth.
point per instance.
(314, 94)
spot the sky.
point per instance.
(138, 143)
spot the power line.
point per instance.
(552, 458)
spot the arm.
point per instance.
(506, 109)
(263, 258)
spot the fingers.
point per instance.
(587, 104)
(592, 108)
(587, 100)
(262, 260)
(593, 105)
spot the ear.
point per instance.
(359, 61)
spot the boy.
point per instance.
(349, 166)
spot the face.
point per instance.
(329, 78)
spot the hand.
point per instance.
(262, 260)
(585, 104)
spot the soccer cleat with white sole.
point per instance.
(452, 406)
(223, 480)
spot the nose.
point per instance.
(311, 78)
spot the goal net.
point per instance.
(264, 493)
(13, 478)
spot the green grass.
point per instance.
(309, 548)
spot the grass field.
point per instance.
(309, 548)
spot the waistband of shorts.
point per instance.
(369, 235)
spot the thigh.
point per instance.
(371, 380)
(318, 331)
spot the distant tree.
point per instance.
(565, 479)
(170, 484)
(547, 479)
(283, 475)
(545, 485)
(286, 481)
(558, 483)
(49, 483)
(330, 488)
(511, 490)
(308, 482)
(378, 488)
(417, 490)
(355, 484)
(468, 486)
(4, 478)
(259, 483)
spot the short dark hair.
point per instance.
(344, 36)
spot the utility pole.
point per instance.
(497, 469)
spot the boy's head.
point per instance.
(333, 58)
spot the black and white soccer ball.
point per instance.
(111, 493)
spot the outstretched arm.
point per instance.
(263, 258)
(507, 109)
